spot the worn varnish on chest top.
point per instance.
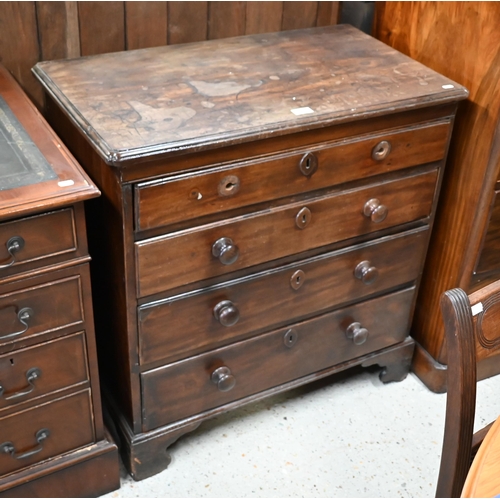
(266, 209)
(198, 95)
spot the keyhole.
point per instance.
(303, 218)
(229, 185)
(297, 279)
(290, 338)
(11, 361)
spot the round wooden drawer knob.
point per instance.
(365, 272)
(374, 210)
(357, 333)
(226, 313)
(223, 378)
(226, 251)
(381, 150)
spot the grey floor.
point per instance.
(345, 436)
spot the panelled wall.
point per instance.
(38, 31)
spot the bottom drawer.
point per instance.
(45, 431)
(188, 387)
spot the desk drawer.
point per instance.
(40, 370)
(186, 388)
(25, 242)
(186, 325)
(69, 424)
(40, 309)
(169, 261)
(165, 201)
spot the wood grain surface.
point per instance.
(201, 94)
(483, 480)
(460, 40)
(38, 31)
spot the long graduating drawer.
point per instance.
(27, 241)
(188, 256)
(42, 369)
(69, 423)
(185, 325)
(186, 388)
(40, 309)
(179, 198)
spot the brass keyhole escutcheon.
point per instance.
(303, 218)
(228, 186)
(308, 164)
(297, 279)
(290, 338)
(381, 150)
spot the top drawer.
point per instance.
(24, 243)
(179, 198)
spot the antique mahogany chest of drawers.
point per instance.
(267, 203)
(52, 440)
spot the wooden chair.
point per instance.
(472, 330)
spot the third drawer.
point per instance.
(188, 324)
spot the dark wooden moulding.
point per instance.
(266, 209)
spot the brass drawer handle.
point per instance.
(381, 150)
(226, 313)
(10, 449)
(375, 211)
(365, 272)
(31, 375)
(308, 164)
(24, 315)
(356, 333)
(223, 379)
(226, 251)
(14, 244)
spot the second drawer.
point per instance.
(173, 260)
(41, 308)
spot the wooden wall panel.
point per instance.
(102, 27)
(226, 19)
(44, 30)
(298, 15)
(187, 22)
(328, 13)
(264, 17)
(59, 32)
(139, 15)
(19, 49)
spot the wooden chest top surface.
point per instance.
(220, 92)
